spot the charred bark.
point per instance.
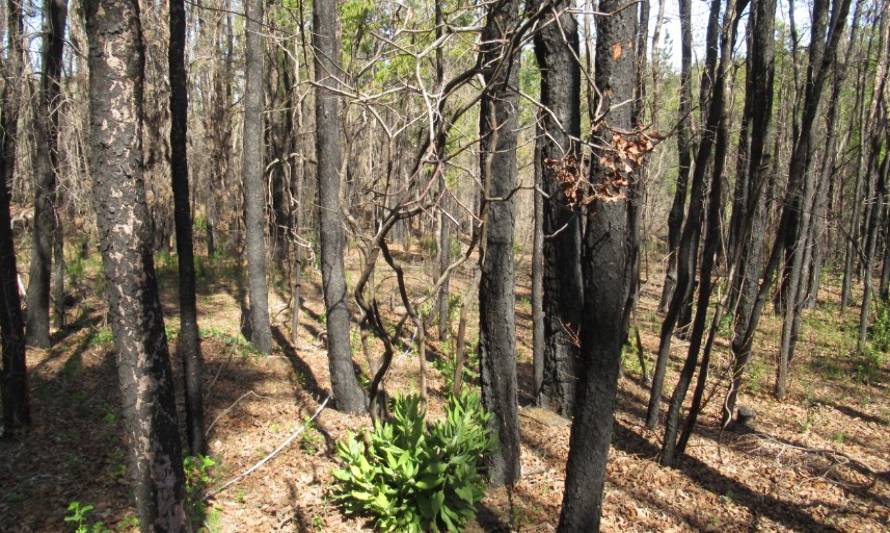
(189, 343)
(14, 378)
(254, 182)
(556, 47)
(47, 160)
(116, 73)
(497, 129)
(604, 259)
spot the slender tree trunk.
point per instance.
(803, 182)
(604, 259)
(684, 134)
(538, 335)
(719, 139)
(189, 344)
(14, 378)
(254, 179)
(47, 158)
(751, 240)
(556, 47)
(348, 395)
(444, 247)
(686, 261)
(742, 342)
(58, 269)
(116, 73)
(497, 335)
(874, 224)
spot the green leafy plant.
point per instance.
(101, 337)
(409, 476)
(198, 476)
(311, 440)
(446, 364)
(77, 516)
(880, 329)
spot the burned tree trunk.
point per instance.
(684, 134)
(686, 257)
(116, 73)
(750, 239)
(716, 136)
(604, 260)
(556, 47)
(497, 336)
(14, 377)
(189, 343)
(47, 159)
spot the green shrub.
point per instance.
(409, 476)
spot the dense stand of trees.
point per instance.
(470, 134)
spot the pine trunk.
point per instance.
(116, 73)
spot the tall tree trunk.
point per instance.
(742, 342)
(604, 259)
(189, 344)
(348, 395)
(444, 248)
(686, 257)
(497, 335)
(684, 134)
(874, 224)
(116, 74)
(751, 233)
(539, 338)
(47, 159)
(14, 378)
(556, 47)
(717, 136)
(822, 57)
(254, 182)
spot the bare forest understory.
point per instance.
(810, 463)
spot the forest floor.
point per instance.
(782, 475)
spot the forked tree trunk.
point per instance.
(604, 259)
(556, 47)
(801, 182)
(347, 394)
(116, 73)
(686, 256)
(716, 136)
(497, 335)
(189, 343)
(47, 159)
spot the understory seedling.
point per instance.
(77, 516)
(410, 476)
(198, 477)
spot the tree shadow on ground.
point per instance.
(75, 449)
(713, 481)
